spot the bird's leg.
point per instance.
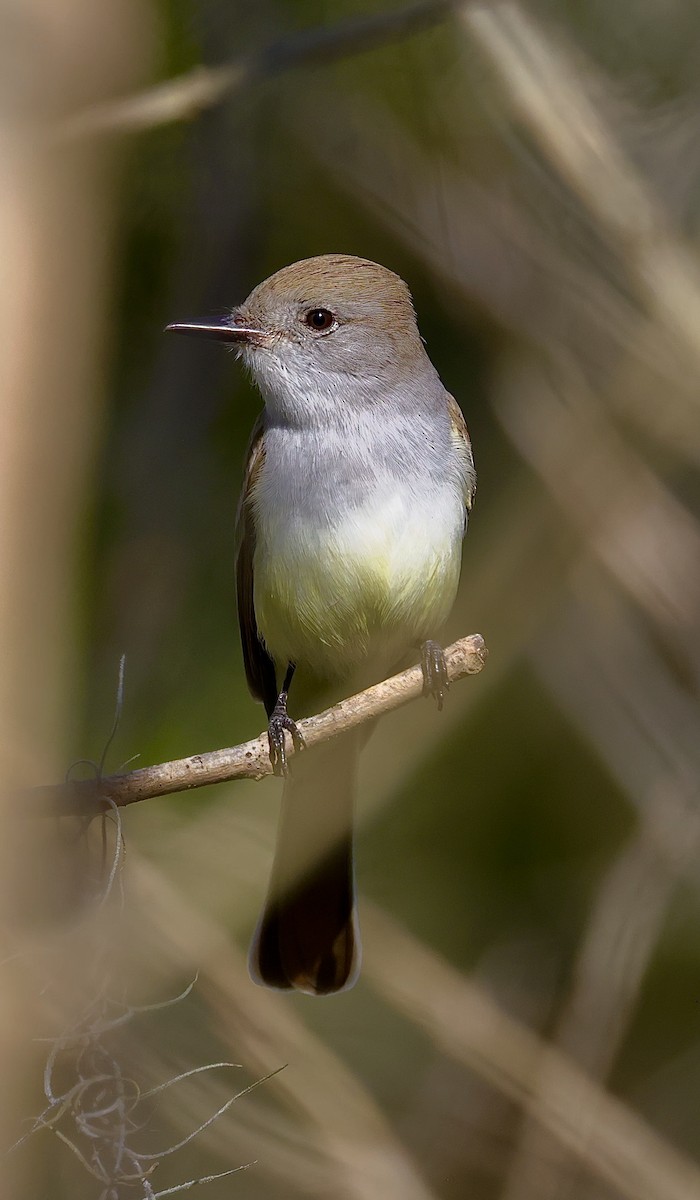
(278, 723)
(434, 667)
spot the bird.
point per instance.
(358, 485)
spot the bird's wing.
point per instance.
(259, 667)
(463, 447)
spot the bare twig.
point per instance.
(187, 95)
(251, 760)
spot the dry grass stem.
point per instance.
(343, 1123)
(547, 90)
(604, 1134)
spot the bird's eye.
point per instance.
(320, 319)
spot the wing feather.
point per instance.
(259, 667)
(463, 446)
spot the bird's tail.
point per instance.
(307, 936)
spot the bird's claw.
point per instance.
(280, 722)
(435, 679)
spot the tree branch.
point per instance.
(251, 759)
(187, 95)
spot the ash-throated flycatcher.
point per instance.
(358, 483)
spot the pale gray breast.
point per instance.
(315, 474)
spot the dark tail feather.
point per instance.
(307, 936)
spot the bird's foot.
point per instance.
(279, 723)
(434, 667)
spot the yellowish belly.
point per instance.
(366, 588)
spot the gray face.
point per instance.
(328, 332)
(320, 337)
(332, 330)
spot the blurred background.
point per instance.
(527, 1022)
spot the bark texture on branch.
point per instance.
(251, 759)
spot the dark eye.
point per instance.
(320, 319)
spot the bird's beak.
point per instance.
(226, 331)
